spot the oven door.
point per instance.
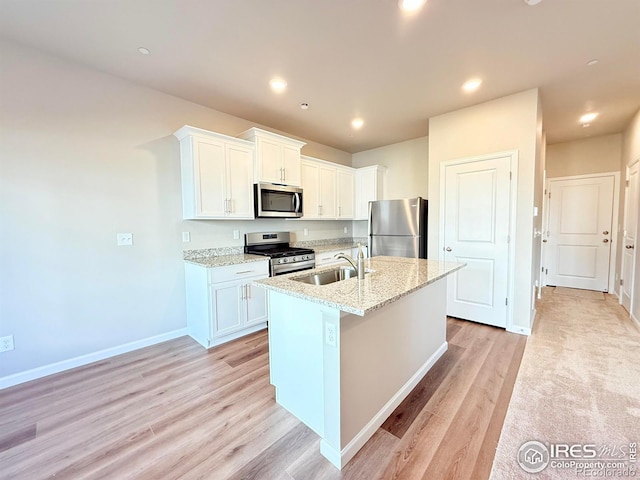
(277, 201)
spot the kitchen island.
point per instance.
(344, 355)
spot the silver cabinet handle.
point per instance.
(284, 174)
(629, 247)
(339, 210)
(248, 291)
(242, 290)
(244, 271)
(448, 249)
(606, 240)
(230, 207)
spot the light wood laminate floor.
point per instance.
(175, 410)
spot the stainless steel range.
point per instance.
(284, 259)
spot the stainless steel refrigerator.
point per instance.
(398, 228)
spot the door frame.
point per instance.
(513, 197)
(632, 300)
(613, 256)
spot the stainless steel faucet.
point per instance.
(359, 271)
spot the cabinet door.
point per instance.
(240, 188)
(328, 192)
(210, 178)
(346, 194)
(226, 307)
(269, 160)
(291, 165)
(310, 191)
(255, 305)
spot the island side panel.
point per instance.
(297, 358)
(383, 356)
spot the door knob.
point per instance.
(628, 246)
(606, 232)
(606, 240)
(448, 249)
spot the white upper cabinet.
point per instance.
(369, 188)
(217, 175)
(346, 193)
(318, 189)
(327, 190)
(277, 157)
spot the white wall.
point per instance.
(407, 167)
(630, 155)
(86, 155)
(407, 172)
(508, 123)
(582, 157)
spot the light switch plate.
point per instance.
(236, 234)
(124, 239)
(186, 237)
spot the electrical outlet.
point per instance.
(186, 237)
(236, 234)
(305, 232)
(330, 334)
(124, 239)
(346, 230)
(6, 343)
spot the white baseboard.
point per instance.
(633, 317)
(340, 459)
(45, 370)
(520, 330)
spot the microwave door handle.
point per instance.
(296, 202)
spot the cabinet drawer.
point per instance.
(238, 272)
(328, 258)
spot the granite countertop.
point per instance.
(327, 245)
(335, 246)
(225, 260)
(390, 279)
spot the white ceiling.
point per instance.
(355, 57)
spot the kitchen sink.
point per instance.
(328, 276)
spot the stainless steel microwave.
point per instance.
(277, 201)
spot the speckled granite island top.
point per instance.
(390, 279)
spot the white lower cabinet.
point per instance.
(324, 259)
(222, 305)
(328, 258)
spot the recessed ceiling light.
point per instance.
(471, 85)
(357, 123)
(411, 5)
(591, 63)
(144, 51)
(531, 3)
(278, 85)
(304, 106)
(585, 125)
(588, 117)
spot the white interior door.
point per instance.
(476, 231)
(629, 236)
(579, 233)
